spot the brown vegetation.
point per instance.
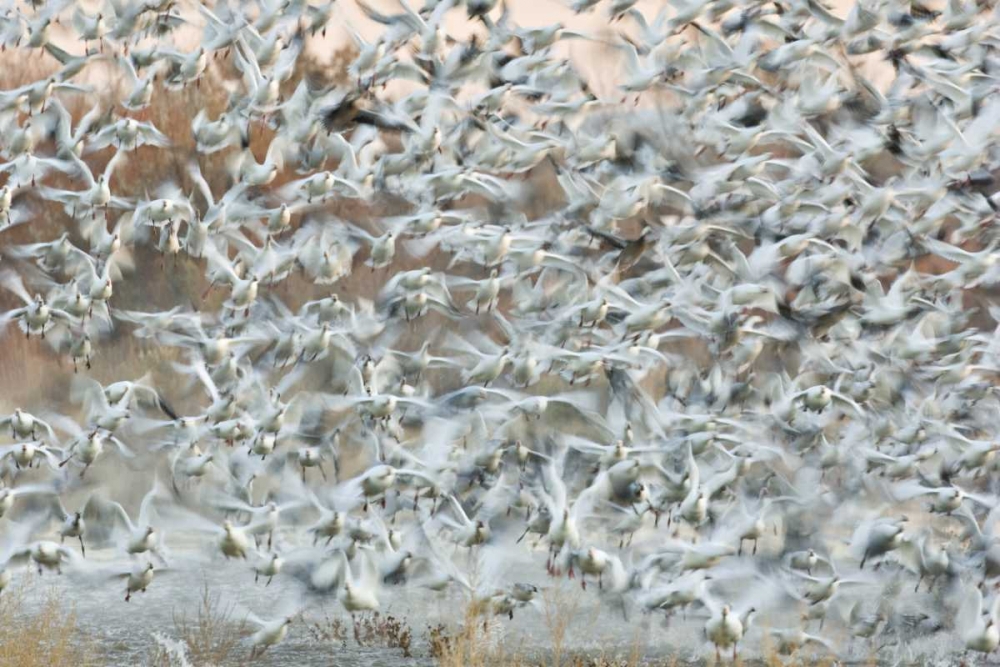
(211, 637)
(373, 630)
(43, 635)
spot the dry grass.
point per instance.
(43, 636)
(212, 636)
(329, 630)
(481, 641)
(811, 656)
(477, 643)
(473, 643)
(373, 630)
(560, 610)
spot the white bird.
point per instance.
(46, 555)
(725, 628)
(137, 579)
(978, 626)
(269, 634)
(269, 568)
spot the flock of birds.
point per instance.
(717, 342)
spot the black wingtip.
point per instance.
(167, 410)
